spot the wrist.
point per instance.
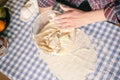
(95, 16)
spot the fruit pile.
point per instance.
(4, 18)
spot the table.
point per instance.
(22, 62)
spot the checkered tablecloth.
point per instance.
(22, 62)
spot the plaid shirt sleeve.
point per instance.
(46, 3)
(112, 12)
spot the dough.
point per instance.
(53, 40)
(77, 56)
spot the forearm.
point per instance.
(74, 18)
(95, 16)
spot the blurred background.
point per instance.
(2, 76)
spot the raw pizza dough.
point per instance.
(77, 56)
(53, 40)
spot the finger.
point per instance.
(62, 16)
(66, 8)
(64, 25)
(60, 21)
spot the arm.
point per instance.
(95, 16)
(73, 18)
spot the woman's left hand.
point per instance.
(73, 18)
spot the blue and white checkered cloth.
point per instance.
(106, 39)
(21, 62)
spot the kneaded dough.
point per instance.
(53, 40)
(77, 55)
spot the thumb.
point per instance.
(66, 8)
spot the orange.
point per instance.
(2, 25)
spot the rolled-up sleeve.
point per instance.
(46, 3)
(112, 12)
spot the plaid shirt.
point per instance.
(111, 7)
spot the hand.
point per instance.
(73, 18)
